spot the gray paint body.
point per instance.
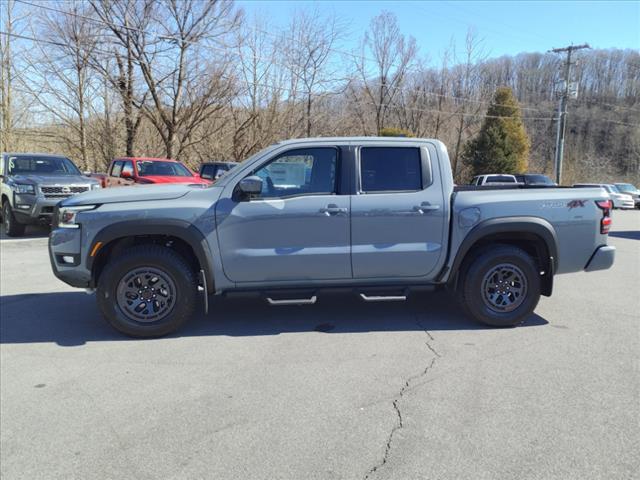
(400, 238)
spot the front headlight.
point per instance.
(96, 186)
(67, 216)
(24, 188)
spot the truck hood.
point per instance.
(138, 193)
(54, 179)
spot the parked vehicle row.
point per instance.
(623, 195)
(620, 200)
(378, 216)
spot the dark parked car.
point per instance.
(535, 179)
(214, 170)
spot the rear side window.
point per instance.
(500, 179)
(390, 169)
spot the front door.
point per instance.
(296, 229)
(398, 214)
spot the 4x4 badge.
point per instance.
(575, 204)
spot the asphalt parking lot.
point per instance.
(340, 389)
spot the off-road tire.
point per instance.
(12, 227)
(475, 285)
(161, 259)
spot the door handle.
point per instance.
(332, 209)
(425, 207)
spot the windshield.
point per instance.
(165, 169)
(626, 187)
(612, 189)
(27, 165)
(537, 180)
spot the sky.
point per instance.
(507, 28)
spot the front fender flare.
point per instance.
(181, 229)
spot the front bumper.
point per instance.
(33, 209)
(601, 259)
(65, 255)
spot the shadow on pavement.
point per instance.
(32, 231)
(70, 318)
(628, 234)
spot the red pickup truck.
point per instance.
(142, 170)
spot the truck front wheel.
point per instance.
(501, 286)
(148, 291)
(12, 227)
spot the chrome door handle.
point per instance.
(424, 207)
(332, 209)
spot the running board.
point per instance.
(292, 301)
(383, 298)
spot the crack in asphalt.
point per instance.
(396, 401)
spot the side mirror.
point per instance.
(126, 174)
(251, 185)
(206, 176)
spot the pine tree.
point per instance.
(502, 145)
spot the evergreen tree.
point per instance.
(502, 145)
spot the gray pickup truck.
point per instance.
(377, 216)
(32, 185)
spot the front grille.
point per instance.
(62, 192)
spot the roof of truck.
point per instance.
(356, 139)
(147, 159)
(30, 154)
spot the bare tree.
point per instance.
(187, 85)
(464, 89)
(58, 72)
(393, 57)
(115, 17)
(310, 53)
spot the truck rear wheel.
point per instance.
(12, 227)
(149, 291)
(501, 286)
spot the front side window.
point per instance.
(41, 165)
(148, 168)
(127, 168)
(305, 171)
(390, 169)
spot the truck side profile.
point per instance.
(378, 216)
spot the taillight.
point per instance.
(605, 222)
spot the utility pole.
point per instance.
(562, 107)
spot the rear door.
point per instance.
(296, 229)
(397, 214)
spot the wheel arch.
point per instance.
(534, 235)
(184, 237)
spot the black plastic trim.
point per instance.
(171, 228)
(509, 225)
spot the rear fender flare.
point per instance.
(512, 226)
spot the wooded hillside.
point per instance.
(196, 80)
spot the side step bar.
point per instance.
(292, 301)
(383, 298)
